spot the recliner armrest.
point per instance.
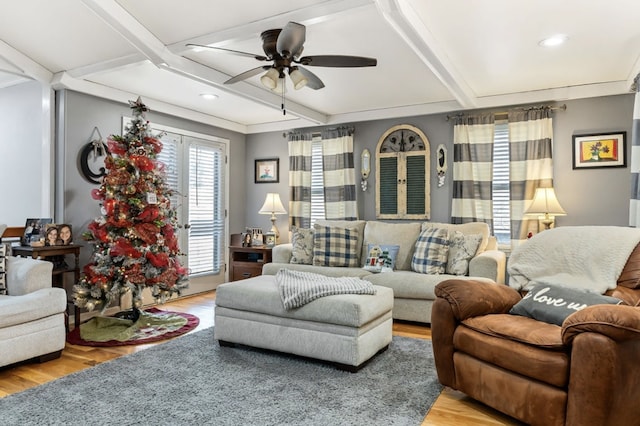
(618, 322)
(470, 298)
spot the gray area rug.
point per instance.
(192, 381)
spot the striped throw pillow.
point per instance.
(432, 248)
(334, 246)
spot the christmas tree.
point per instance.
(135, 242)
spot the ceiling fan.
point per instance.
(283, 47)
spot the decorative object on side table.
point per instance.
(273, 206)
(599, 150)
(269, 239)
(546, 206)
(267, 170)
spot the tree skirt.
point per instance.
(153, 325)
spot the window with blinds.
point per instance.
(317, 181)
(206, 208)
(500, 186)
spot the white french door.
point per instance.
(196, 170)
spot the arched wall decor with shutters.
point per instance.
(403, 189)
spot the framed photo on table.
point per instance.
(267, 170)
(599, 150)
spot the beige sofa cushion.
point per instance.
(403, 234)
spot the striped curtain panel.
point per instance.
(634, 201)
(530, 165)
(472, 169)
(299, 180)
(339, 175)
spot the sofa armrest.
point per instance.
(281, 253)
(618, 322)
(26, 275)
(490, 264)
(470, 298)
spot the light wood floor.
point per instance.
(451, 407)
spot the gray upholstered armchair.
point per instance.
(32, 314)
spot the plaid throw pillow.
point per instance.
(335, 246)
(432, 248)
(3, 268)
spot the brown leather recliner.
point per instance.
(585, 372)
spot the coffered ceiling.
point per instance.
(432, 55)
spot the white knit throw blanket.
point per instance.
(588, 258)
(298, 288)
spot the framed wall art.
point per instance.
(267, 170)
(599, 150)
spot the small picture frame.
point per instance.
(267, 170)
(58, 234)
(599, 150)
(269, 239)
(34, 231)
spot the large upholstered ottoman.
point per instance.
(345, 329)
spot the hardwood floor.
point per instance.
(451, 407)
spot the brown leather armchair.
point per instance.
(585, 372)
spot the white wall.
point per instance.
(21, 154)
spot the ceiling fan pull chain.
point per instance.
(284, 111)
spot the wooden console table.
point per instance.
(58, 273)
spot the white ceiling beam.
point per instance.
(63, 80)
(24, 65)
(129, 28)
(404, 20)
(306, 16)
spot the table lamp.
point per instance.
(546, 205)
(273, 206)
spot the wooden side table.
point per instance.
(58, 273)
(246, 262)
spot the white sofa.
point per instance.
(413, 292)
(32, 313)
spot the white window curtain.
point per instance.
(530, 165)
(339, 175)
(473, 169)
(300, 156)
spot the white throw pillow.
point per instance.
(462, 248)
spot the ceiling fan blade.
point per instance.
(247, 74)
(236, 52)
(337, 61)
(313, 82)
(291, 39)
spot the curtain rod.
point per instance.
(562, 107)
(349, 129)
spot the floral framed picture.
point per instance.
(267, 170)
(599, 150)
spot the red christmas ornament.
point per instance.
(97, 194)
(155, 144)
(143, 163)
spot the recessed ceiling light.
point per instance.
(209, 96)
(554, 40)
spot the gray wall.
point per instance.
(21, 154)
(589, 196)
(78, 114)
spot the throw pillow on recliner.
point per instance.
(552, 304)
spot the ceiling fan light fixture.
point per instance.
(298, 79)
(281, 86)
(270, 79)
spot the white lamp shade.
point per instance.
(270, 79)
(298, 79)
(272, 205)
(545, 202)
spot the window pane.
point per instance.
(317, 181)
(500, 187)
